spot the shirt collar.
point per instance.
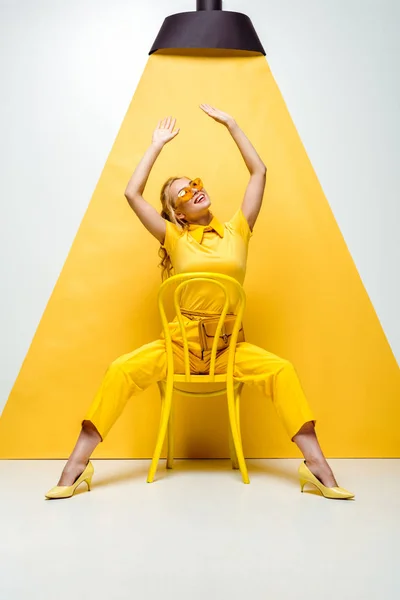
(197, 231)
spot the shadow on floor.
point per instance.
(197, 465)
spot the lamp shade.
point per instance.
(208, 27)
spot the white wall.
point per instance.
(69, 70)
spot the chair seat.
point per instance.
(201, 378)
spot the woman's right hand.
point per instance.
(164, 131)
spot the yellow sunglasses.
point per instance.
(189, 191)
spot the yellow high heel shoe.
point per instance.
(66, 491)
(328, 492)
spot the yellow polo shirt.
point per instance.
(218, 248)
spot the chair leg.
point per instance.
(237, 409)
(233, 410)
(232, 451)
(235, 464)
(171, 440)
(166, 397)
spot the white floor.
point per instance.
(199, 533)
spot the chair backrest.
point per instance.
(180, 282)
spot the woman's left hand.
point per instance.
(217, 115)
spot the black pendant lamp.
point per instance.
(208, 27)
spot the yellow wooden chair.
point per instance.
(231, 388)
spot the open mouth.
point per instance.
(199, 198)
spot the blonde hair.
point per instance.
(168, 213)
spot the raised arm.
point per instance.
(254, 193)
(147, 214)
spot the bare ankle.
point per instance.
(317, 461)
(71, 471)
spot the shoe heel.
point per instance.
(89, 483)
(302, 483)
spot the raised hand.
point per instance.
(217, 115)
(164, 131)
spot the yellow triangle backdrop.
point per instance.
(306, 301)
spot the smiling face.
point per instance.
(194, 208)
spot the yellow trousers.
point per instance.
(132, 373)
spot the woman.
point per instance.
(192, 239)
